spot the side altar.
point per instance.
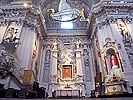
(119, 87)
(115, 82)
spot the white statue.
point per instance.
(54, 45)
(115, 72)
(113, 62)
(78, 44)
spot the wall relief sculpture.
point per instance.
(47, 66)
(9, 64)
(87, 65)
(126, 37)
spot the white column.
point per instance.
(41, 69)
(93, 72)
(24, 50)
(130, 29)
(54, 63)
(79, 62)
(2, 31)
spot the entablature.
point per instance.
(113, 8)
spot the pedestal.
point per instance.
(113, 88)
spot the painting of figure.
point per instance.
(67, 71)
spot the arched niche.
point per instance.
(112, 52)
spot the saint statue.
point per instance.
(54, 45)
(78, 44)
(115, 72)
(113, 62)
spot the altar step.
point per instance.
(116, 95)
(68, 97)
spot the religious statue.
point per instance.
(54, 45)
(123, 30)
(78, 44)
(113, 62)
(115, 72)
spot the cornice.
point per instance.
(113, 20)
(105, 13)
(112, 9)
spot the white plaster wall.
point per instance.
(2, 31)
(130, 28)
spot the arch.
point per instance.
(110, 52)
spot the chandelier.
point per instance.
(65, 13)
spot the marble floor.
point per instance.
(118, 98)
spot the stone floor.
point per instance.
(118, 98)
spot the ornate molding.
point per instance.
(113, 20)
(110, 13)
(116, 8)
(14, 12)
(29, 16)
(109, 44)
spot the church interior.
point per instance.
(66, 48)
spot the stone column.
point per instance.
(53, 77)
(54, 65)
(79, 63)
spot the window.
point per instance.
(67, 25)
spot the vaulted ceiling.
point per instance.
(54, 4)
(47, 4)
